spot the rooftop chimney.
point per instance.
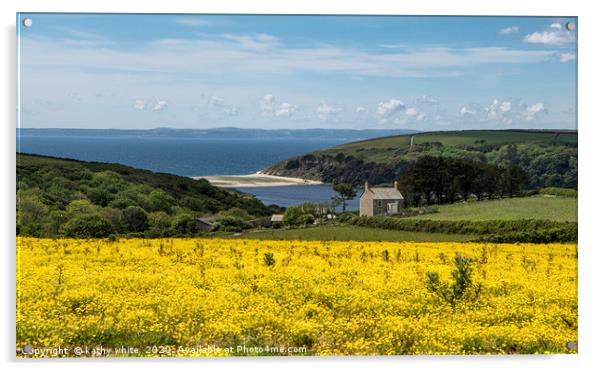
(396, 185)
(366, 187)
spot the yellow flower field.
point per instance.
(199, 297)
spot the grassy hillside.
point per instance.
(538, 207)
(351, 233)
(383, 150)
(550, 157)
(68, 197)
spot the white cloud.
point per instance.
(502, 112)
(556, 36)
(531, 112)
(139, 104)
(421, 116)
(467, 111)
(412, 112)
(285, 110)
(509, 30)
(215, 101)
(246, 55)
(505, 106)
(160, 105)
(390, 107)
(271, 108)
(326, 111)
(566, 57)
(266, 103)
(361, 110)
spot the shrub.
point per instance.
(184, 224)
(134, 219)
(461, 284)
(268, 259)
(525, 230)
(89, 225)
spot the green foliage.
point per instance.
(134, 219)
(88, 225)
(159, 224)
(298, 215)
(442, 179)
(527, 230)
(184, 224)
(268, 259)
(330, 232)
(230, 224)
(550, 158)
(346, 192)
(557, 191)
(51, 192)
(461, 285)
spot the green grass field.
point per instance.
(536, 207)
(344, 233)
(387, 148)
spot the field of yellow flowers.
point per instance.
(195, 297)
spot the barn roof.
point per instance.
(386, 194)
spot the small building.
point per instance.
(380, 200)
(204, 224)
(277, 218)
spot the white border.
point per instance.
(589, 169)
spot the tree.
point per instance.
(346, 192)
(513, 180)
(292, 215)
(184, 224)
(88, 225)
(134, 219)
(81, 207)
(159, 223)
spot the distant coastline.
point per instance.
(257, 179)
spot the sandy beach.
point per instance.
(255, 180)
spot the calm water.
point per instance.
(180, 156)
(191, 157)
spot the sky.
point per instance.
(352, 72)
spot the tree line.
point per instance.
(438, 179)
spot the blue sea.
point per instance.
(191, 157)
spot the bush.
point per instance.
(526, 230)
(90, 225)
(292, 215)
(268, 259)
(462, 284)
(159, 223)
(184, 224)
(230, 224)
(134, 219)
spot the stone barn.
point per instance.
(380, 200)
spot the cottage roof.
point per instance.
(277, 218)
(386, 194)
(206, 221)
